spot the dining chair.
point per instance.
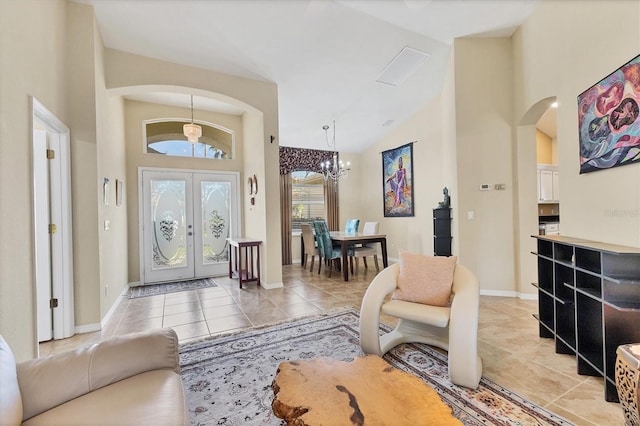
(310, 248)
(325, 246)
(352, 226)
(370, 228)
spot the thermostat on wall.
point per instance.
(485, 187)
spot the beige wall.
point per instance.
(136, 113)
(544, 148)
(127, 73)
(483, 86)
(554, 51)
(110, 129)
(40, 73)
(475, 133)
(86, 184)
(35, 56)
(403, 233)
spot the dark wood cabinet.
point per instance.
(442, 232)
(588, 301)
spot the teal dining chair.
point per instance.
(325, 246)
(352, 226)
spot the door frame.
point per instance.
(61, 258)
(141, 217)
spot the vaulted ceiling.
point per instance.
(325, 56)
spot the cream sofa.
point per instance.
(132, 379)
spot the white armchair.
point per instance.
(453, 328)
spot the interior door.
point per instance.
(187, 218)
(42, 245)
(52, 226)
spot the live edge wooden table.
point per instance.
(366, 391)
(244, 268)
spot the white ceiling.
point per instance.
(324, 55)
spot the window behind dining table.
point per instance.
(307, 198)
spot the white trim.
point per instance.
(513, 294)
(272, 285)
(115, 306)
(88, 328)
(63, 289)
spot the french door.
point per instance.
(187, 218)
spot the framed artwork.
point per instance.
(397, 181)
(608, 120)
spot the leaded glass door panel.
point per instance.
(187, 218)
(216, 215)
(168, 226)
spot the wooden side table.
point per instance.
(244, 260)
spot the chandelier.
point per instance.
(192, 131)
(333, 169)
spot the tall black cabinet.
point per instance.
(442, 232)
(589, 301)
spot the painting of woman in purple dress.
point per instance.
(397, 182)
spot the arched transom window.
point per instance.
(165, 137)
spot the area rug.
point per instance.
(228, 378)
(164, 288)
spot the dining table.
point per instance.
(345, 239)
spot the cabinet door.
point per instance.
(556, 185)
(538, 180)
(546, 185)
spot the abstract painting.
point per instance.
(397, 181)
(608, 120)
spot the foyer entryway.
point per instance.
(186, 220)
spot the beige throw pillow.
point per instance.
(425, 279)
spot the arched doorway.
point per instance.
(527, 189)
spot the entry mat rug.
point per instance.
(164, 288)
(228, 378)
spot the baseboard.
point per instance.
(87, 328)
(514, 294)
(270, 286)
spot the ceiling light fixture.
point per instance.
(192, 131)
(333, 169)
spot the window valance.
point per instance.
(295, 159)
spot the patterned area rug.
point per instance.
(228, 379)
(164, 288)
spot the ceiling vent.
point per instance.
(402, 66)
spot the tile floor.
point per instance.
(513, 354)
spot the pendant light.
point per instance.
(333, 169)
(192, 131)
